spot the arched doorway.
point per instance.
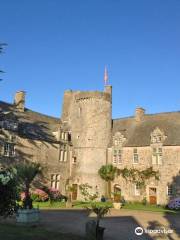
(117, 193)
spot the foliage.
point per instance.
(108, 173)
(2, 45)
(55, 195)
(8, 191)
(38, 195)
(144, 201)
(85, 191)
(26, 173)
(100, 212)
(174, 204)
(139, 177)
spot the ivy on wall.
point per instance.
(139, 177)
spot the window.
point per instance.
(62, 135)
(169, 190)
(114, 159)
(136, 190)
(135, 156)
(117, 156)
(79, 112)
(9, 150)
(63, 154)
(55, 181)
(157, 156)
(74, 160)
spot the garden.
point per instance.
(19, 198)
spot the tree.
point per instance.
(26, 173)
(2, 45)
(108, 173)
(8, 191)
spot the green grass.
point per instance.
(48, 205)
(15, 232)
(147, 207)
(81, 204)
(76, 204)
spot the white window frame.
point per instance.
(157, 156)
(55, 181)
(135, 154)
(137, 190)
(169, 190)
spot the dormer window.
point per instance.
(118, 139)
(157, 136)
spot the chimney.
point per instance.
(19, 100)
(139, 114)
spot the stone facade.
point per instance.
(73, 148)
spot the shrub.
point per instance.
(55, 195)
(38, 195)
(174, 203)
(8, 192)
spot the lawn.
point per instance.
(147, 207)
(80, 204)
(14, 232)
(76, 204)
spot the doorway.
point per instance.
(74, 192)
(153, 195)
(117, 193)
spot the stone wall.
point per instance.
(169, 172)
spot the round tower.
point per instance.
(90, 122)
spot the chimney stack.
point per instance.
(19, 101)
(139, 114)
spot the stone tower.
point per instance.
(88, 115)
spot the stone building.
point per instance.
(73, 148)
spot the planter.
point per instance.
(92, 232)
(28, 216)
(117, 205)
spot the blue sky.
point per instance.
(54, 45)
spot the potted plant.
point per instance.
(93, 229)
(26, 173)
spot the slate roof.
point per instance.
(32, 125)
(138, 133)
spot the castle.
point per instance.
(74, 147)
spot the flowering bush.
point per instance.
(174, 203)
(54, 194)
(8, 191)
(39, 196)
